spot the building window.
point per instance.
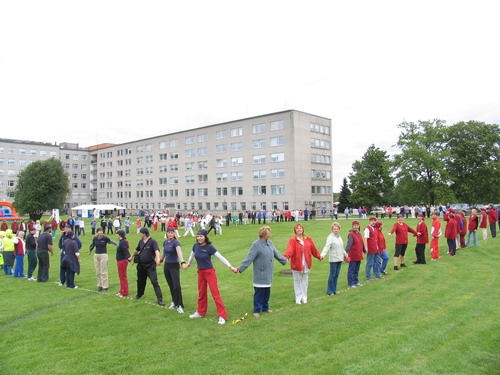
(259, 143)
(277, 157)
(202, 138)
(278, 173)
(321, 190)
(235, 162)
(221, 134)
(140, 160)
(221, 177)
(173, 180)
(237, 190)
(237, 146)
(222, 191)
(202, 192)
(203, 178)
(189, 166)
(202, 164)
(277, 189)
(277, 141)
(148, 149)
(174, 155)
(221, 163)
(189, 192)
(174, 143)
(162, 145)
(139, 171)
(236, 132)
(189, 140)
(139, 149)
(259, 174)
(320, 159)
(317, 128)
(174, 167)
(202, 151)
(259, 159)
(258, 128)
(320, 143)
(190, 179)
(320, 175)
(259, 190)
(149, 159)
(277, 125)
(236, 176)
(219, 149)
(190, 153)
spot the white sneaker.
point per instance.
(195, 315)
(221, 320)
(298, 302)
(59, 283)
(304, 301)
(172, 306)
(180, 310)
(75, 287)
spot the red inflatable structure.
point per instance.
(8, 212)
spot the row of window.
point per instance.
(23, 151)
(75, 157)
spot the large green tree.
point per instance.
(371, 181)
(344, 196)
(474, 161)
(424, 150)
(41, 186)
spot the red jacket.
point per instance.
(451, 227)
(473, 222)
(19, 247)
(372, 241)
(381, 240)
(436, 228)
(484, 222)
(401, 233)
(356, 250)
(492, 215)
(424, 234)
(294, 250)
(463, 231)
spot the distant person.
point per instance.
(370, 243)
(44, 246)
(334, 248)
(262, 254)
(492, 218)
(435, 234)
(450, 233)
(300, 250)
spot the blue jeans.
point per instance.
(19, 268)
(382, 260)
(261, 299)
(372, 263)
(474, 236)
(334, 276)
(352, 272)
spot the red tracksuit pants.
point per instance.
(208, 277)
(122, 275)
(435, 248)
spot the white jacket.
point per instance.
(335, 248)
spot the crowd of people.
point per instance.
(147, 255)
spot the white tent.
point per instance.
(96, 210)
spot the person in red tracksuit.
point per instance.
(435, 234)
(422, 239)
(450, 232)
(401, 230)
(355, 248)
(492, 218)
(483, 223)
(463, 229)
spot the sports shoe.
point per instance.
(402, 265)
(352, 286)
(195, 315)
(137, 297)
(99, 289)
(161, 303)
(358, 284)
(104, 289)
(180, 310)
(172, 306)
(119, 295)
(257, 315)
(59, 283)
(221, 320)
(385, 273)
(396, 268)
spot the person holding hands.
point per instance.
(334, 247)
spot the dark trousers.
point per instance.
(352, 272)
(69, 277)
(261, 299)
(93, 231)
(172, 275)
(31, 262)
(43, 265)
(493, 229)
(420, 253)
(452, 245)
(143, 272)
(62, 271)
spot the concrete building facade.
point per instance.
(279, 161)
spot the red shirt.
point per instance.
(372, 241)
(473, 220)
(402, 233)
(484, 222)
(381, 240)
(356, 250)
(436, 228)
(492, 215)
(424, 234)
(451, 228)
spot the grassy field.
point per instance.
(439, 318)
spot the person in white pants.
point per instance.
(188, 227)
(300, 250)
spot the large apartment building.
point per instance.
(276, 161)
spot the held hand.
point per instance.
(130, 259)
(185, 266)
(235, 270)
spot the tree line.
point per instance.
(436, 164)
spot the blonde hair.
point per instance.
(263, 230)
(335, 224)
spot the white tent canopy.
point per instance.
(96, 210)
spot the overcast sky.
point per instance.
(115, 71)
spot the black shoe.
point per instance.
(99, 289)
(137, 297)
(402, 265)
(385, 273)
(396, 268)
(414, 262)
(161, 303)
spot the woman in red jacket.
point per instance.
(450, 232)
(355, 248)
(300, 249)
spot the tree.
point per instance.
(41, 186)
(371, 181)
(423, 156)
(344, 196)
(474, 162)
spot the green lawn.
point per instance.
(439, 318)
